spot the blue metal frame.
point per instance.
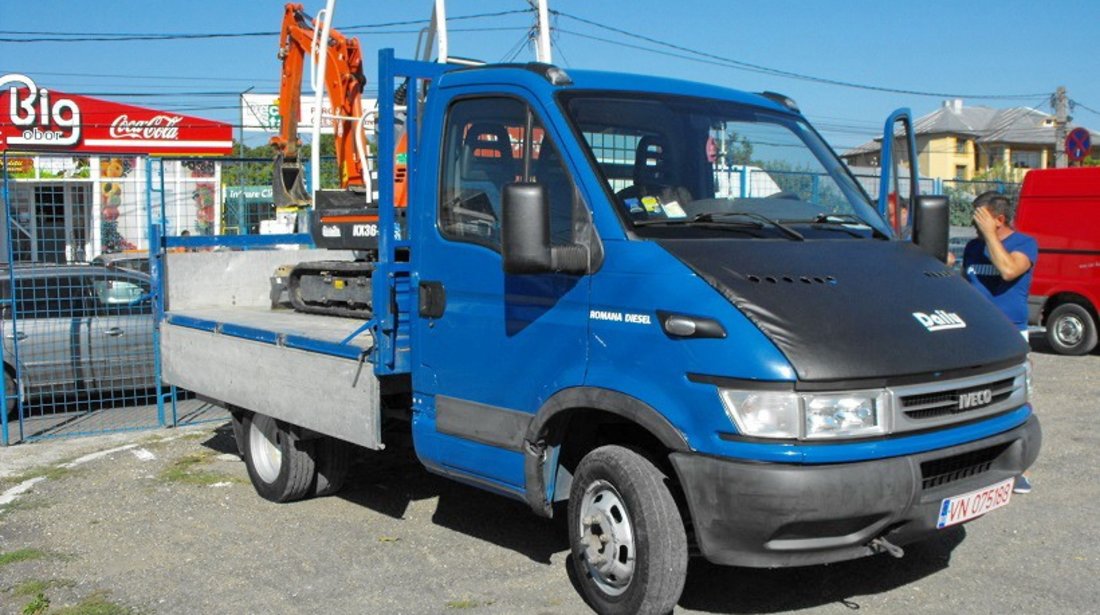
(391, 277)
(886, 162)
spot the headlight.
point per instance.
(764, 414)
(851, 415)
(773, 414)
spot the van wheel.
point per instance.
(629, 548)
(1071, 330)
(279, 462)
(333, 457)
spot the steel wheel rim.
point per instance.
(267, 458)
(606, 538)
(1070, 330)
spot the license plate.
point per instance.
(968, 506)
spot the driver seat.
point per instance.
(655, 173)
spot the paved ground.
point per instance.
(171, 525)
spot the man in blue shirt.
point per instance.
(998, 262)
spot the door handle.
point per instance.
(433, 299)
(20, 336)
(114, 332)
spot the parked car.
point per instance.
(1060, 208)
(134, 261)
(74, 329)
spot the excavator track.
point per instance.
(332, 288)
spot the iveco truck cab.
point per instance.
(666, 310)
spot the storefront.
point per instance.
(76, 170)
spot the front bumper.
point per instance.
(772, 514)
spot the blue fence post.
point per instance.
(815, 185)
(744, 181)
(7, 228)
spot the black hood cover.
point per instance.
(844, 309)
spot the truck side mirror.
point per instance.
(525, 234)
(931, 225)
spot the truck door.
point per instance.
(493, 347)
(899, 180)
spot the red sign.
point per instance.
(38, 119)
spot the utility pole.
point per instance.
(1061, 119)
(542, 47)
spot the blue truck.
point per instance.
(581, 309)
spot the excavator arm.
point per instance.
(344, 82)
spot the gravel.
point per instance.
(171, 525)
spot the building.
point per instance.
(77, 170)
(958, 142)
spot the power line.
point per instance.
(38, 36)
(759, 68)
(1078, 104)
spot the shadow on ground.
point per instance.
(388, 481)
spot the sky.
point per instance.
(1015, 50)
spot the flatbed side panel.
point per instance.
(331, 395)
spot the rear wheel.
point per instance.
(1071, 330)
(629, 548)
(333, 457)
(279, 461)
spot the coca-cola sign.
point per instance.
(34, 118)
(158, 127)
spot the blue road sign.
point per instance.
(1078, 144)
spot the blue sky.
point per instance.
(1003, 47)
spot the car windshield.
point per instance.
(690, 167)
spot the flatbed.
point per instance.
(227, 342)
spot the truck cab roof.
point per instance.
(532, 76)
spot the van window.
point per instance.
(120, 296)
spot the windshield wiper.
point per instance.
(842, 222)
(786, 230)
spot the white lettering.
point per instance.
(330, 231)
(161, 127)
(38, 123)
(628, 317)
(940, 320)
(364, 230)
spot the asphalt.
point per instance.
(166, 522)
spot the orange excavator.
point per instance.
(343, 218)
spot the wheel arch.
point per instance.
(569, 423)
(1064, 297)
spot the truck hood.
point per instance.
(855, 309)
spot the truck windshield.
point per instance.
(690, 167)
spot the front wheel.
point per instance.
(1071, 330)
(629, 548)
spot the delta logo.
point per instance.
(940, 320)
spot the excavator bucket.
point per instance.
(289, 187)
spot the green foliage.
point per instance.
(960, 194)
(96, 604)
(38, 605)
(37, 586)
(261, 171)
(21, 555)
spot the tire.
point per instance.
(1071, 330)
(279, 463)
(236, 420)
(333, 458)
(620, 494)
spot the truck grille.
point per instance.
(938, 472)
(942, 403)
(918, 407)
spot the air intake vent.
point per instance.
(827, 280)
(940, 472)
(943, 273)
